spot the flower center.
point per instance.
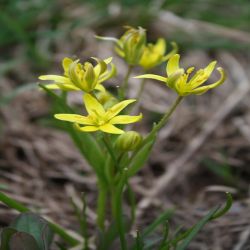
(97, 119)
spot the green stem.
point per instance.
(110, 148)
(152, 135)
(56, 228)
(112, 202)
(118, 216)
(63, 234)
(131, 198)
(13, 204)
(84, 223)
(138, 96)
(124, 87)
(141, 89)
(101, 206)
(166, 117)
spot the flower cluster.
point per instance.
(134, 49)
(114, 153)
(88, 78)
(102, 107)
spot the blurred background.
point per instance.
(202, 153)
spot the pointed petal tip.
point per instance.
(109, 58)
(140, 116)
(176, 55)
(137, 77)
(42, 77)
(222, 73)
(58, 116)
(152, 76)
(220, 69)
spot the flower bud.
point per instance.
(131, 45)
(128, 141)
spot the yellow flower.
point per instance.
(154, 54)
(177, 78)
(85, 77)
(100, 119)
(131, 44)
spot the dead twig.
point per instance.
(243, 239)
(174, 23)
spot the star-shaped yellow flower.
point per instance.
(178, 79)
(100, 119)
(154, 54)
(85, 77)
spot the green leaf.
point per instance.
(152, 242)
(158, 221)
(23, 241)
(60, 246)
(8, 201)
(36, 226)
(139, 242)
(225, 209)
(190, 234)
(6, 235)
(165, 243)
(106, 239)
(139, 158)
(12, 203)
(148, 238)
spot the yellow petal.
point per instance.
(108, 60)
(93, 107)
(65, 63)
(202, 75)
(160, 46)
(100, 67)
(173, 78)
(203, 89)
(117, 108)
(56, 78)
(150, 60)
(173, 64)
(152, 76)
(108, 74)
(109, 128)
(172, 52)
(119, 52)
(125, 119)
(88, 128)
(100, 87)
(74, 118)
(89, 77)
(51, 86)
(73, 72)
(66, 87)
(209, 69)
